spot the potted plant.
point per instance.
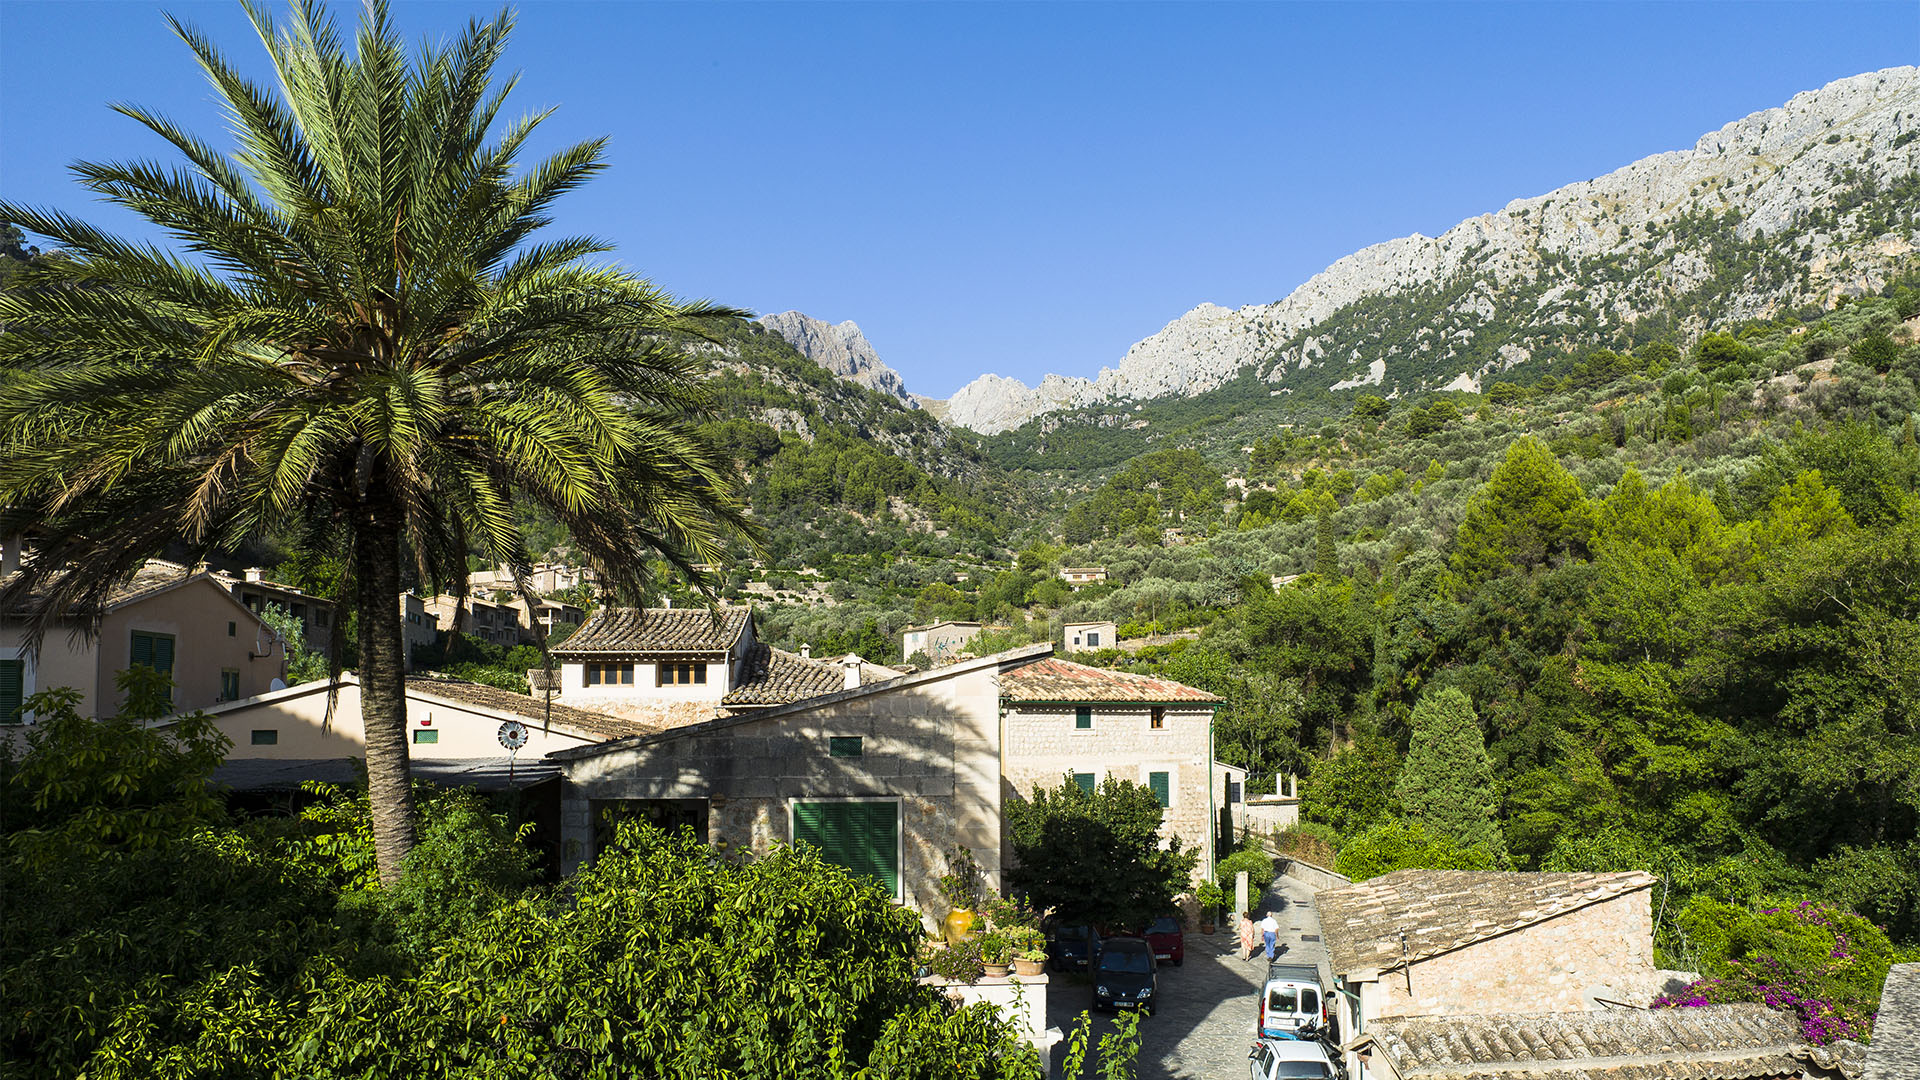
(996, 953)
(960, 888)
(1211, 897)
(1030, 952)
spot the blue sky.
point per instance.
(1018, 188)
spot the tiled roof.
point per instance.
(1895, 1053)
(777, 677)
(532, 709)
(1711, 1042)
(1054, 679)
(153, 576)
(1442, 910)
(668, 630)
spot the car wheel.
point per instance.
(1179, 961)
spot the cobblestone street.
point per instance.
(1204, 1023)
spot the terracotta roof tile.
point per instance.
(1054, 679)
(666, 630)
(152, 576)
(532, 709)
(777, 677)
(1442, 910)
(1713, 1042)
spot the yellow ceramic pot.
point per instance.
(958, 926)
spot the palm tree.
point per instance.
(359, 346)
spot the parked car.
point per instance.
(1072, 948)
(1291, 1000)
(1123, 975)
(1167, 939)
(1290, 1059)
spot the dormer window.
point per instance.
(603, 674)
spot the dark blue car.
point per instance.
(1072, 948)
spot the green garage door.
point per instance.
(864, 837)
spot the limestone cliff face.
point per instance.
(1802, 180)
(841, 349)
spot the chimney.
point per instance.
(9, 554)
(806, 651)
(256, 574)
(850, 666)
(667, 603)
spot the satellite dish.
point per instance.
(277, 684)
(513, 734)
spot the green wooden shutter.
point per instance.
(142, 650)
(1085, 780)
(864, 837)
(13, 686)
(1158, 782)
(163, 654)
(1083, 717)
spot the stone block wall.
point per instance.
(1042, 745)
(1552, 966)
(931, 746)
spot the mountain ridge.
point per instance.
(840, 348)
(1795, 161)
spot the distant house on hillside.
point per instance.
(178, 620)
(939, 642)
(1088, 636)
(495, 624)
(316, 613)
(1083, 575)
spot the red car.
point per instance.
(1168, 942)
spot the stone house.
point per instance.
(418, 626)
(546, 614)
(674, 666)
(1460, 942)
(887, 776)
(941, 642)
(1061, 720)
(495, 624)
(1714, 1042)
(316, 613)
(1088, 636)
(1083, 575)
(166, 616)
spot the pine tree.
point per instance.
(1446, 784)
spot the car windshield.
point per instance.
(1283, 999)
(1130, 961)
(1302, 1068)
(1163, 926)
(1072, 933)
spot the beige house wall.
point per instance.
(1077, 637)
(931, 746)
(1042, 746)
(1559, 965)
(298, 717)
(196, 613)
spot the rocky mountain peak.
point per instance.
(841, 349)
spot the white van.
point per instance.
(1291, 1000)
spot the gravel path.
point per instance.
(1204, 1023)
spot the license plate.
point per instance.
(1163, 956)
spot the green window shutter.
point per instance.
(13, 686)
(860, 836)
(163, 654)
(1085, 780)
(1158, 782)
(142, 650)
(1083, 717)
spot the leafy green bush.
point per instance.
(1398, 844)
(1257, 865)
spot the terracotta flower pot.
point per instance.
(1029, 967)
(995, 971)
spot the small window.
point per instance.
(683, 674)
(1233, 791)
(266, 737)
(1083, 717)
(844, 746)
(1093, 639)
(229, 684)
(13, 689)
(300, 611)
(233, 629)
(424, 736)
(1158, 718)
(1085, 781)
(1162, 790)
(319, 617)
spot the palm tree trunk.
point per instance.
(383, 687)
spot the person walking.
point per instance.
(1269, 932)
(1249, 937)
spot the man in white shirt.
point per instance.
(1269, 931)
